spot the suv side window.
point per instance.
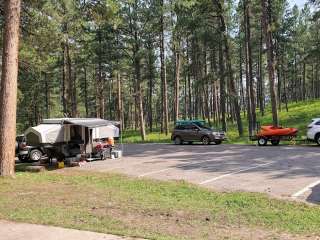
(191, 127)
(180, 127)
(317, 123)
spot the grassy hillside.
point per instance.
(298, 116)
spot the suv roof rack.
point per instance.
(186, 122)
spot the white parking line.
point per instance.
(305, 189)
(232, 173)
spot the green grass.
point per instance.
(298, 116)
(151, 209)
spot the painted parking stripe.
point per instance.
(232, 173)
(305, 189)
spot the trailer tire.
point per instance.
(262, 141)
(35, 155)
(275, 142)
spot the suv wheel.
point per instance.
(317, 138)
(218, 142)
(35, 155)
(177, 141)
(275, 142)
(205, 140)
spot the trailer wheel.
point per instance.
(275, 142)
(35, 155)
(262, 141)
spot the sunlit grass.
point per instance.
(117, 204)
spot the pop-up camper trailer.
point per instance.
(69, 137)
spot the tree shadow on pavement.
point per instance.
(314, 197)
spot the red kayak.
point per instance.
(268, 131)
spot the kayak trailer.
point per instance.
(274, 135)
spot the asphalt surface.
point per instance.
(291, 172)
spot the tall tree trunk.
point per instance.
(99, 84)
(185, 98)
(63, 80)
(138, 94)
(189, 83)
(68, 83)
(222, 89)
(241, 79)
(261, 78)
(151, 81)
(74, 109)
(266, 19)
(165, 118)
(233, 93)
(304, 82)
(47, 94)
(251, 95)
(8, 87)
(119, 100)
(177, 82)
(86, 104)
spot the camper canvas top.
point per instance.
(85, 122)
(59, 130)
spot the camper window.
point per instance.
(75, 134)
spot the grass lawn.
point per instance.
(151, 209)
(298, 116)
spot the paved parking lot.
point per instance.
(283, 171)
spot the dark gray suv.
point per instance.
(196, 132)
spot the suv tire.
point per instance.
(317, 139)
(218, 142)
(35, 155)
(205, 140)
(178, 140)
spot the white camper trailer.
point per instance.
(69, 137)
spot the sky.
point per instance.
(299, 3)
